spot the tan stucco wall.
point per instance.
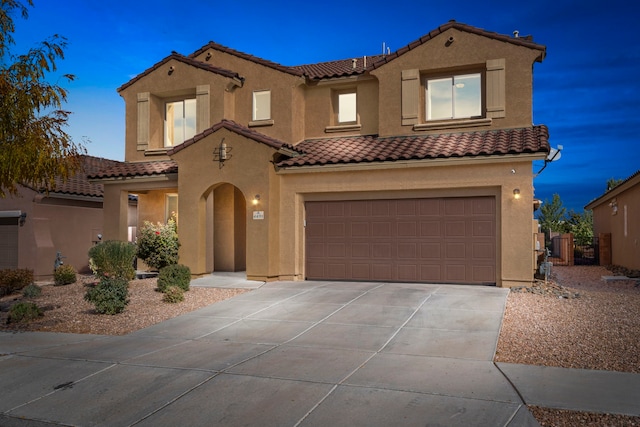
(467, 53)
(624, 225)
(51, 225)
(514, 238)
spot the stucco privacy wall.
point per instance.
(407, 180)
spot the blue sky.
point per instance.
(586, 90)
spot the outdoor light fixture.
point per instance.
(516, 193)
(171, 70)
(256, 199)
(221, 154)
(22, 218)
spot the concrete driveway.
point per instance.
(286, 354)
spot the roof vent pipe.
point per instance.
(355, 61)
(516, 34)
(364, 61)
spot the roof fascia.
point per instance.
(165, 177)
(457, 161)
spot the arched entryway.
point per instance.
(226, 228)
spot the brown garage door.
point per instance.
(443, 240)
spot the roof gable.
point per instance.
(186, 60)
(246, 56)
(520, 41)
(238, 129)
(628, 183)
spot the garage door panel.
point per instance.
(445, 240)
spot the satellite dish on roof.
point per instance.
(554, 154)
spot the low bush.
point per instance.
(32, 291)
(174, 275)
(158, 244)
(109, 296)
(173, 294)
(24, 312)
(113, 259)
(64, 275)
(14, 280)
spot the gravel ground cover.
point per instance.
(575, 320)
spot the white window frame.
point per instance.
(473, 109)
(176, 135)
(261, 105)
(347, 107)
(170, 206)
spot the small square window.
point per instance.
(262, 105)
(347, 112)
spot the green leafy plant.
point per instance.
(158, 244)
(24, 312)
(14, 280)
(109, 296)
(174, 275)
(113, 259)
(32, 291)
(173, 294)
(64, 275)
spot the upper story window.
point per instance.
(179, 122)
(455, 97)
(262, 105)
(347, 108)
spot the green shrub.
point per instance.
(64, 275)
(14, 280)
(24, 312)
(113, 259)
(174, 275)
(109, 296)
(32, 291)
(173, 294)
(158, 244)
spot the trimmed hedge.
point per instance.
(110, 296)
(174, 275)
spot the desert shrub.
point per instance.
(32, 291)
(158, 244)
(173, 294)
(14, 280)
(24, 312)
(64, 275)
(174, 275)
(113, 259)
(109, 296)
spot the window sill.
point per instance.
(452, 124)
(157, 151)
(343, 128)
(258, 123)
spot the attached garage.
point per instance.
(436, 240)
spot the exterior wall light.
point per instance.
(516, 193)
(256, 199)
(221, 154)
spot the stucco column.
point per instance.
(116, 213)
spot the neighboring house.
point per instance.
(617, 213)
(34, 225)
(411, 166)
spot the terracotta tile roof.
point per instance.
(133, 169)
(248, 57)
(239, 129)
(185, 60)
(521, 41)
(340, 68)
(79, 185)
(370, 149)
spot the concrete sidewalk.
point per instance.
(299, 354)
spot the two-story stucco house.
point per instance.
(411, 166)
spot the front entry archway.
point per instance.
(226, 229)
